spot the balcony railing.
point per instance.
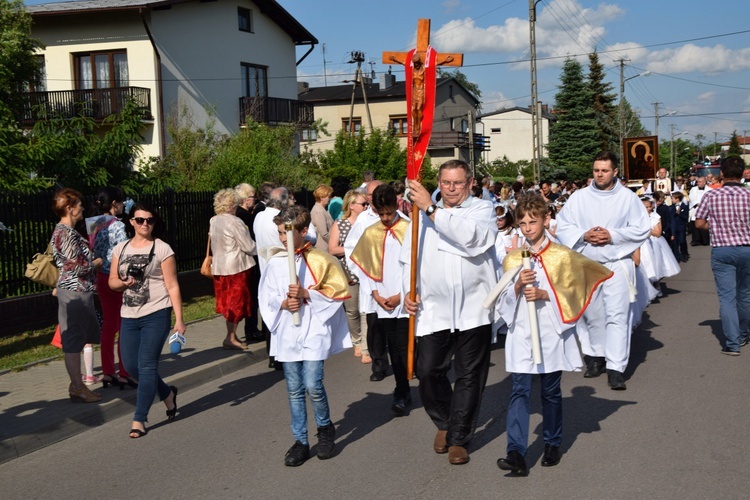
(275, 110)
(93, 103)
(459, 140)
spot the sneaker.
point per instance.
(325, 436)
(744, 341)
(91, 380)
(400, 405)
(297, 454)
(729, 352)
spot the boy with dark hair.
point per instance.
(678, 218)
(318, 299)
(377, 255)
(560, 298)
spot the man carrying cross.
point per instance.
(457, 245)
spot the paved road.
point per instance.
(679, 431)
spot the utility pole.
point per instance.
(536, 136)
(325, 75)
(471, 143)
(715, 139)
(359, 57)
(671, 144)
(621, 111)
(656, 117)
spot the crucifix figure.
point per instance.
(421, 76)
(416, 67)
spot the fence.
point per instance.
(29, 221)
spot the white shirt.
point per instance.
(323, 328)
(266, 233)
(366, 219)
(557, 339)
(618, 210)
(457, 266)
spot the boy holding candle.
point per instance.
(318, 298)
(560, 283)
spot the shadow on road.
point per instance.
(716, 330)
(641, 342)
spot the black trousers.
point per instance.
(456, 408)
(251, 322)
(397, 337)
(376, 344)
(700, 236)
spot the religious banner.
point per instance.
(640, 157)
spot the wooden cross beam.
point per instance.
(423, 41)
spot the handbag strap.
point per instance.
(208, 245)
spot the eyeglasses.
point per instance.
(453, 184)
(144, 220)
(365, 204)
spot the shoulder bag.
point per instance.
(206, 266)
(42, 268)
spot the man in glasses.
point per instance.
(456, 273)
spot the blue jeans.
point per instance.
(731, 267)
(141, 342)
(301, 377)
(518, 411)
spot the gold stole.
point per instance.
(326, 272)
(370, 249)
(573, 277)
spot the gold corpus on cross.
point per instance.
(417, 96)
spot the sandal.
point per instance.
(138, 433)
(171, 414)
(366, 359)
(230, 346)
(93, 379)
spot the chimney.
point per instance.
(302, 87)
(387, 80)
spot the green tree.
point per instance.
(352, 154)
(604, 99)
(18, 67)
(734, 146)
(574, 138)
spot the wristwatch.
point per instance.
(431, 210)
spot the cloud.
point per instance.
(452, 5)
(495, 100)
(707, 96)
(690, 57)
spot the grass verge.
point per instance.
(34, 345)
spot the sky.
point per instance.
(697, 52)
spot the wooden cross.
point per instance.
(418, 88)
(420, 112)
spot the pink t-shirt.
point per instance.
(149, 294)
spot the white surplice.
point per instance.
(323, 328)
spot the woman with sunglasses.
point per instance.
(144, 269)
(355, 202)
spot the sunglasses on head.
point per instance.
(144, 220)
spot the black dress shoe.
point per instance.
(551, 455)
(400, 405)
(377, 376)
(515, 463)
(615, 380)
(595, 367)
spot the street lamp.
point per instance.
(622, 91)
(671, 149)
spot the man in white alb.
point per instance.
(606, 223)
(456, 273)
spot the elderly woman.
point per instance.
(321, 219)
(75, 289)
(355, 202)
(233, 251)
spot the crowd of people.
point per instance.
(564, 270)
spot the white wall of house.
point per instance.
(514, 139)
(86, 33)
(203, 71)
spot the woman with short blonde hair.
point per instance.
(321, 219)
(232, 249)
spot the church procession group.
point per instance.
(556, 288)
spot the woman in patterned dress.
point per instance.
(355, 202)
(75, 290)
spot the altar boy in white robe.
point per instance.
(560, 283)
(318, 298)
(377, 257)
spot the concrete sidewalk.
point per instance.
(35, 410)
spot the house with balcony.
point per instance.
(509, 133)
(367, 105)
(209, 59)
